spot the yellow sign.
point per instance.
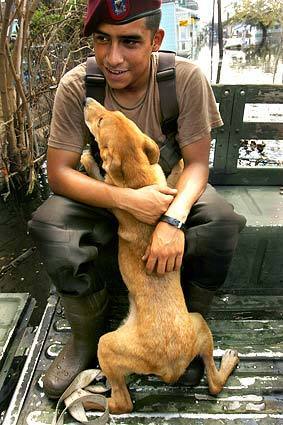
(184, 23)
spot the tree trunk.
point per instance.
(264, 35)
(7, 100)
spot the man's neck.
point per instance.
(129, 98)
(133, 95)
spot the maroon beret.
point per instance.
(117, 12)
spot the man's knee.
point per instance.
(59, 218)
(69, 236)
(222, 216)
(48, 221)
(214, 226)
(57, 210)
(221, 232)
(213, 209)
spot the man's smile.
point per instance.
(115, 71)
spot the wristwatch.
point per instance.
(172, 221)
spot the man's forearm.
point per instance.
(79, 187)
(147, 204)
(190, 186)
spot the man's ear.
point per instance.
(157, 40)
(151, 150)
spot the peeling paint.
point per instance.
(255, 407)
(240, 398)
(247, 382)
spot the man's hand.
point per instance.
(165, 253)
(150, 202)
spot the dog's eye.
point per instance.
(99, 121)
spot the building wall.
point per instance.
(168, 22)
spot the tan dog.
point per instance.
(159, 336)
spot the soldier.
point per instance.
(74, 226)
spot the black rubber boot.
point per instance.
(87, 316)
(198, 301)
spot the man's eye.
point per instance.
(129, 42)
(101, 39)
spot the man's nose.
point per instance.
(114, 55)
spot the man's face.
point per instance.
(123, 53)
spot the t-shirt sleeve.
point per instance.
(198, 111)
(68, 130)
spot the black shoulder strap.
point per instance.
(94, 80)
(95, 88)
(170, 153)
(167, 91)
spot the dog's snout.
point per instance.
(87, 101)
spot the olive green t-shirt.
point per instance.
(198, 112)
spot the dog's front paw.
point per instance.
(119, 408)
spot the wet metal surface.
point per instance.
(11, 307)
(263, 207)
(257, 266)
(253, 394)
(16, 310)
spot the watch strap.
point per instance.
(172, 221)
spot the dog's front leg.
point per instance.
(113, 361)
(120, 400)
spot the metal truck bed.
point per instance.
(253, 394)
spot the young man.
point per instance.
(74, 226)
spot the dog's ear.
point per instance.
(151, 150)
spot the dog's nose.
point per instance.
(87, 100)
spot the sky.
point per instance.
(205, 10)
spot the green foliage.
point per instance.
(263, 13)
(43, 18)
(66, 18)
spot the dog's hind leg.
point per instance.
(216, 378)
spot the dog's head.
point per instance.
(124, 149)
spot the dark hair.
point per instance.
(152, 22)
